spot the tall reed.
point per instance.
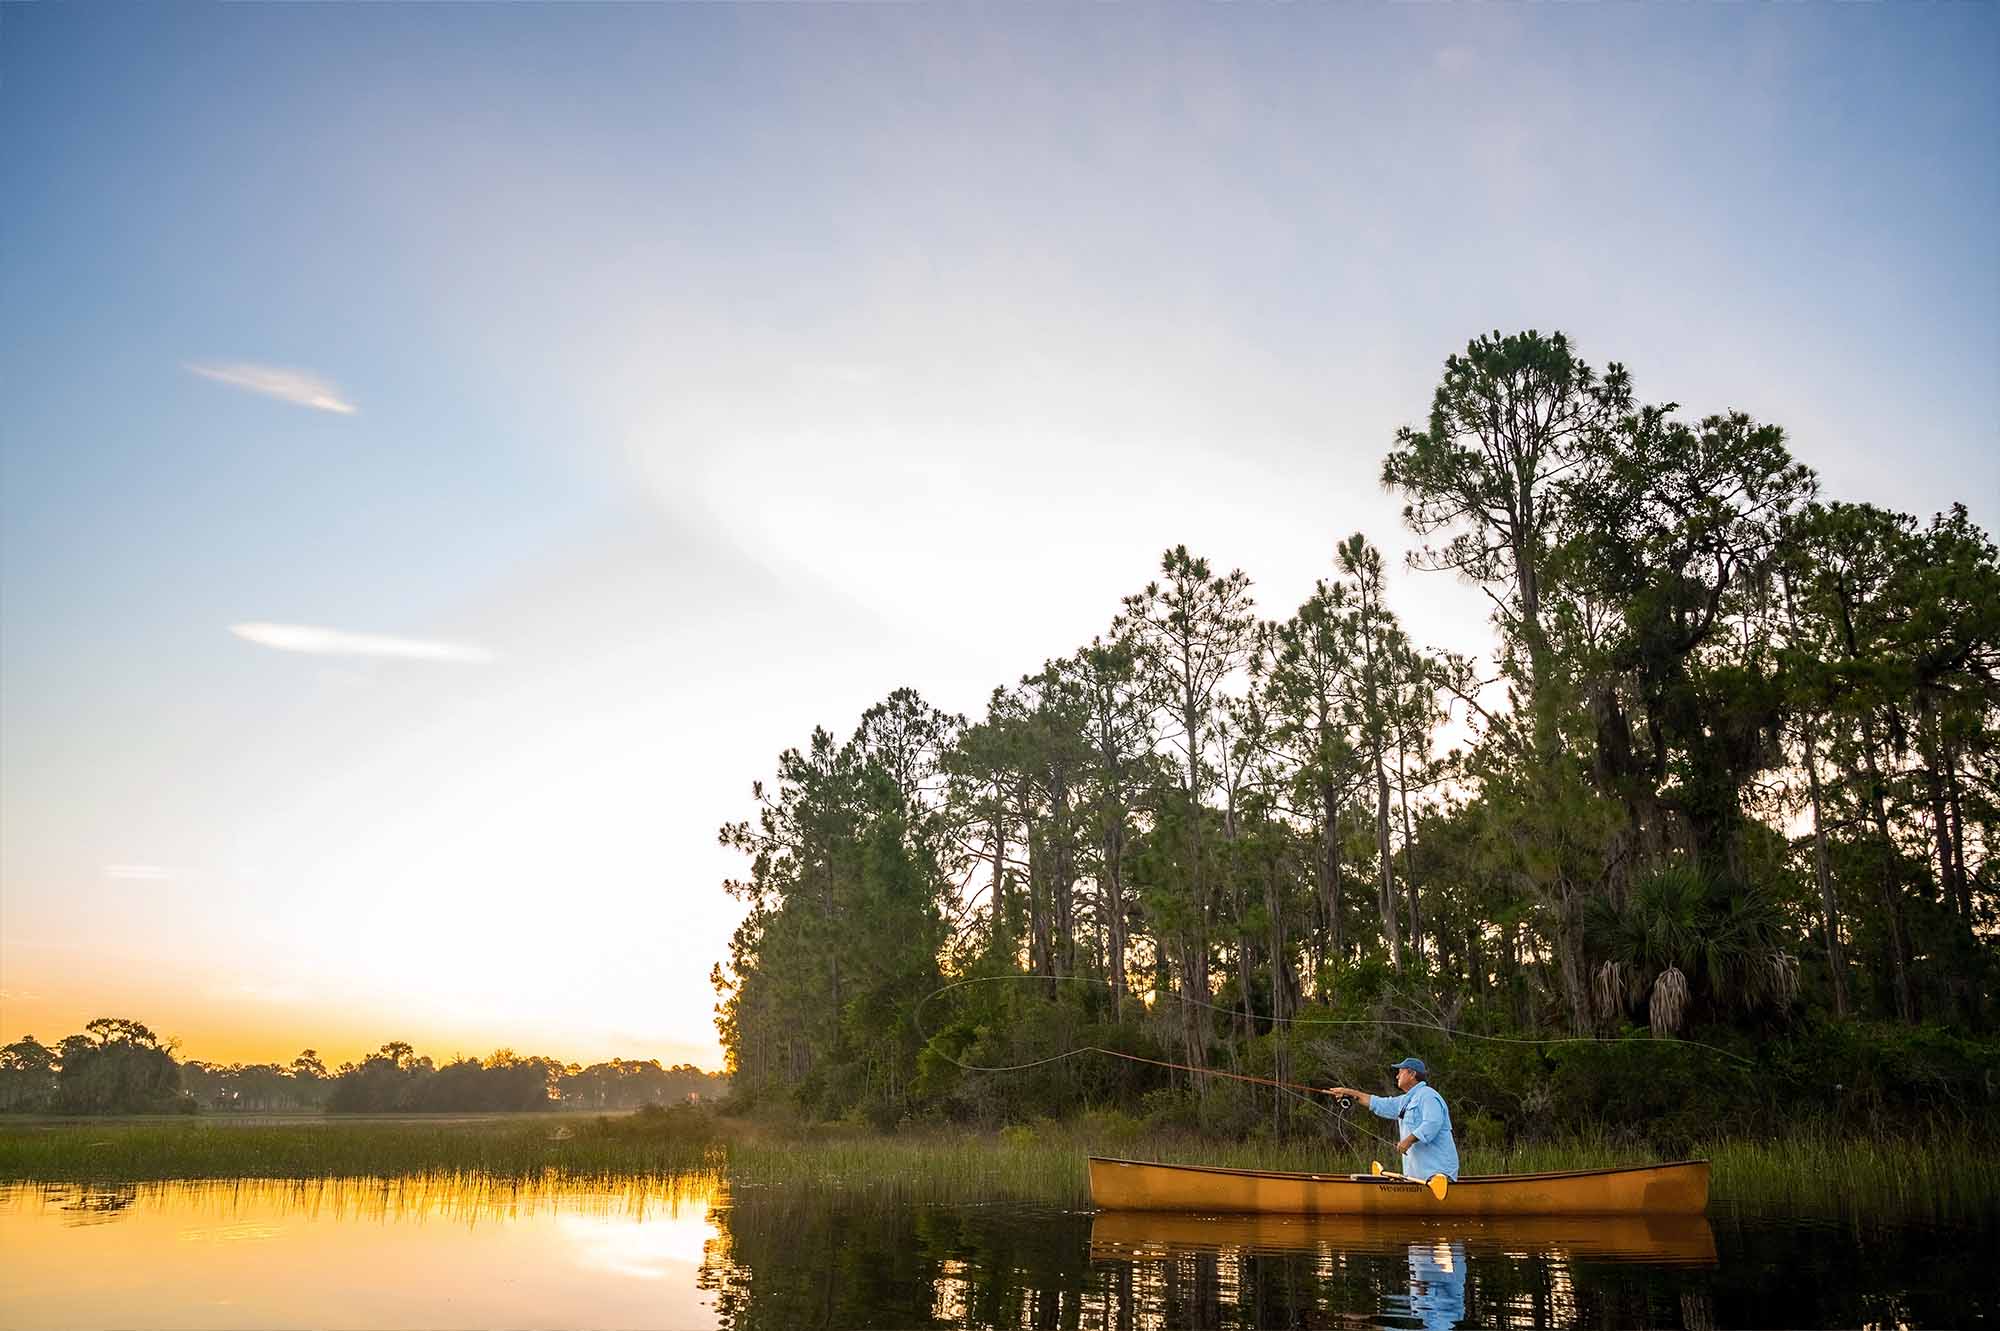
(1043, 1163)
(521, 1147)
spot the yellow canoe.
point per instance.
(1135, 1185)
(1679, 1240)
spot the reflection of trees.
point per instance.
(791, 1258)
(786, 1258)
(92, 1204)
(1402, 1285)
(818, 1260)
(815, 1260)
(822, 1260)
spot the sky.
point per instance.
(447, 452)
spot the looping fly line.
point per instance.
(917, 1019)
(1291, 1088)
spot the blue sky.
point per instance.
(710, 371)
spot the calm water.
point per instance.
(697, 1254)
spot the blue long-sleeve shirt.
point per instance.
(1421, 1114)
(1437, 1286)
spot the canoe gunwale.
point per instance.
(1675, 1187)
(1470, 1180)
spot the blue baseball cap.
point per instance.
(1413, 1064)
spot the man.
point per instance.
(1426, 1144)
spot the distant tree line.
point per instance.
(397, 1079)
(113, 1066)
(118, 1066)
(1730, 771)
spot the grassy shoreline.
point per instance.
(1043, 1163)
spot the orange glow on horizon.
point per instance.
(220, 1030)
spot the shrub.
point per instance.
(1169, 1109)
(1023, 1136)
(1109, 1127)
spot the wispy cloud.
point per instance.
(316, 641)
(299, 387)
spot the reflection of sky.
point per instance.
(655, 1248)
(251, 1253)
(450, 451)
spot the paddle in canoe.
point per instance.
(1680, 1188)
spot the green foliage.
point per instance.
(1170, 1109)
(679, 1126)
(524, 1148)
(1019, 1136)
(1942, 1173)
(1725, 940)
(1730, 774)
(117, 1066)
(28, 1076)
(1114, 1128)
(847, 915)
(1667, 1101)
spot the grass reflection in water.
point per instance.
(463, 1198)
(1935, 1177)
(419, 1251)
(702, 1249)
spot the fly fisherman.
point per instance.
(1421, 1117)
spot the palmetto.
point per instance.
(1686, 940)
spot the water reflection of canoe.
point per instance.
(1682, 1240)
(1132, 1185)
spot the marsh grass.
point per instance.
(1940, 1176)
(514, 1147)
(1045, 1163)
(1954, 1173)
(1950, 1172)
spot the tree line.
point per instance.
(118, 1066)
(1730, 769)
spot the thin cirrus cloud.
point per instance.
(144, 873)
(299, 387)
(316, 641)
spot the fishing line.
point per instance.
(1290, 1088)
(917, 1018)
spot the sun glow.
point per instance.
(659, 1248)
